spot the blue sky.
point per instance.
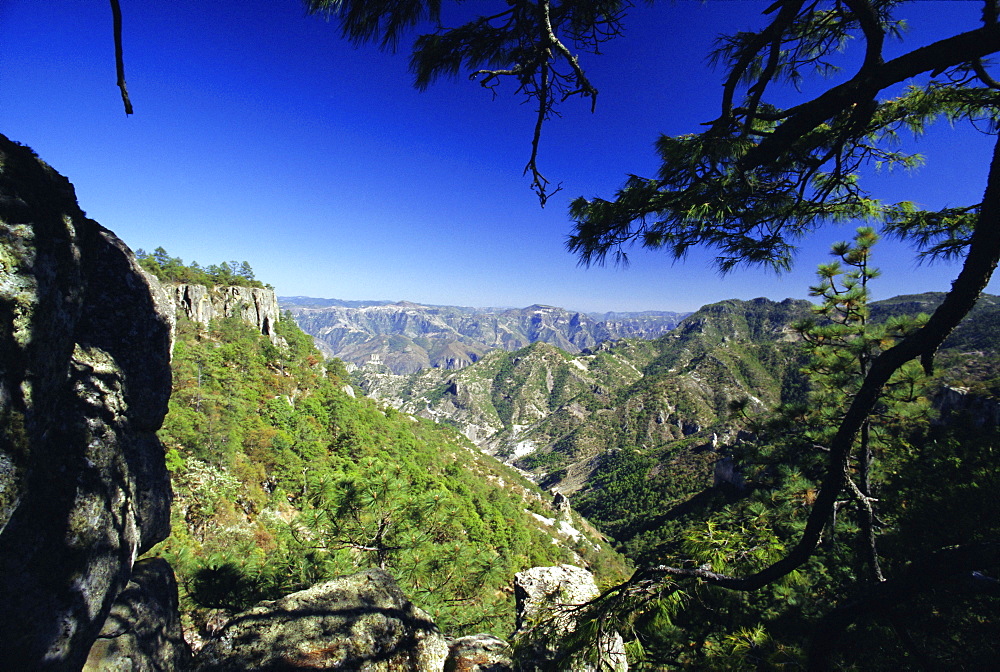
(260, 135)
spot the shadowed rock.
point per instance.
(84, 379)
(143, 632)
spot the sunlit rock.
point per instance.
(360, 622)
(548, 611)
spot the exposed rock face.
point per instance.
(478, 653)
(561, 503)
(85, 341)
(543, 595)
(143, 633)
(253, 305)
(360, 622)
(954, 403)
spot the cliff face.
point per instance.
(959, 405)
(85, 341)
(253, 305)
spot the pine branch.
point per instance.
(866, 84)
(920, 576)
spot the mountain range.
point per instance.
(551, 412)
(406, 337)
(661, 414)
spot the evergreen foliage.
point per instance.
(655, 494)
(913, 487)
(282, 479)
(173, 269)
(756, 179)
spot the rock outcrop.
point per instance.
(254, 305)
(143, 632)
(85, 341)
(360, 622)
(478, 653)
(958, 404)
(546, 597)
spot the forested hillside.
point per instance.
(683, 449)
(551, 412)
(282, 478)
(697, 446)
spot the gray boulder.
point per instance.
(478, 653)
(85, 343)
(359, 622)
(548, 601)
(143, 632)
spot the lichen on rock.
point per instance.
(548, 608)
(84, 381)
(143, 632)
(358, 622)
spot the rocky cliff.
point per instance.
(254, 305)
(85, 340)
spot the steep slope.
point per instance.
(84, 379)
(636, 427)
(283, 477)
(407, 337)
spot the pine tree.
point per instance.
(842, 348)
(759, 176)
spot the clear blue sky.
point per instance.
(260, 135)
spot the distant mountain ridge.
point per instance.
(405, 337)
(661, 411)
(548, 410)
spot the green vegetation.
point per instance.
(282, 479)
(173, 269)
(913, 488)
(774, 164)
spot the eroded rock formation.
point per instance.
(253, 305)
(85, 342)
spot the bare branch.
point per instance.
(116, 16)
(984, 77)
(539, 184)
(585, 87)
